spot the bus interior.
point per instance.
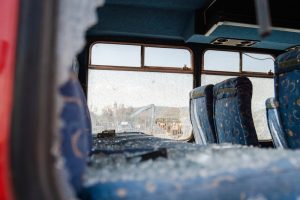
(156, 99)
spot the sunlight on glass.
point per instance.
(167, 57)
(254, 62)
(213, 79)
(221, 61)
(116, 55)
(259, 97)
(150, 102)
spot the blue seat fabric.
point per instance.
(76, 131)
(274, 123)
(287, 93)
(201, 114)
(232, 112)
(249, 183)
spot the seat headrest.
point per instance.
(230, 87)
(287, 62)
(200, 91)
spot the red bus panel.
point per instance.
(8, 30)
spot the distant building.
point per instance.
(172, 126)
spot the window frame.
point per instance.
(243, 53)
(143, 67)
(241, 72)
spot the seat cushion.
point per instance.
(201, 112)
(232, 112)
(287, 93)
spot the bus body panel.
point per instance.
(8, 27)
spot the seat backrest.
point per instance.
(287, 93)
(201, 114)
(76, 130)
(232, 112)
(274, 123)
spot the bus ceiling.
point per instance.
(200, 21)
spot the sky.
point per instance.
(230, 61)
(130, 55)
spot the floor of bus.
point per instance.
(139, 166)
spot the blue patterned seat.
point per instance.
(201, 114)
(287, 93)
(274, 123)
(76, 130)
(232, 112)
(248, 183)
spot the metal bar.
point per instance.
(248, 74)
(241, 62)
(263, 17)
(144, 69)
(142, 56)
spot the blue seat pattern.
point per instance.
(274, 123)
(76, 130)
(86, 117)
(287, 93)
(201, 114)
(232, 112)
(247, 183)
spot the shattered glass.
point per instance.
(184, 161)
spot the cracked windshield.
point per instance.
(126, 98)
